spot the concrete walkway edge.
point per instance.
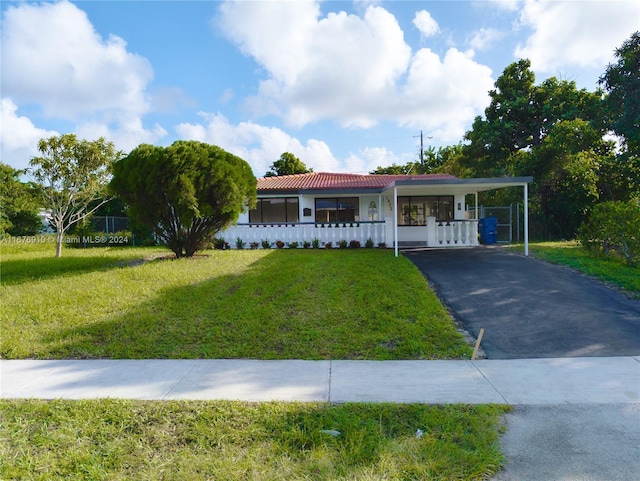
(586, 380)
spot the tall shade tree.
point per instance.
(185, 193)
(287, 164)
(552, 131)
(73, 175)
(622, 82)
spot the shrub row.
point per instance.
(221, 244)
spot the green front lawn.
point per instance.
(263, 304)
(123, 440)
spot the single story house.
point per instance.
(394, 210)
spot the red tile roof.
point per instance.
(333, 181)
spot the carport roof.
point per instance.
(476, 184)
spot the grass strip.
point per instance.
(178, 440)
(262, 304)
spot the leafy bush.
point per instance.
(240, 243)
(254, 245)
(306, 244)
(315, 243)
(293, 245)
(343, 244)
(613, 228)
(220, 244)
(265, 244)
(369, 243)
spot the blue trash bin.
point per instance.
(488, 227)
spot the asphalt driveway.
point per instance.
(530, 308)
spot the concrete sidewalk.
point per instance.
(534, 382)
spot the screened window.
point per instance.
(272, 211)
(342, 209)
(415, 210)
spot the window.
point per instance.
(272, 211)
(415, 210)
(343, 209)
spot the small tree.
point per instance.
(287, 164)
(185, 193)
(72, 175)
(613, 227)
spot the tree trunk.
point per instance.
(59, 234)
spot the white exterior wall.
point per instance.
(434, 234)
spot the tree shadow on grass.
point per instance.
(14, 272)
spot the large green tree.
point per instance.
(72, 175)
(185, 192)
(19, 204)
(566, 166)
(287, 164)
(552, 131)
(622, 82)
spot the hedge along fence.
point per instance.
(613, 228)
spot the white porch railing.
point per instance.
(333, 232)
(455, 233)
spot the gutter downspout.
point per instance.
(526, 219)
(395, 219)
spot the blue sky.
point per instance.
(345, 86)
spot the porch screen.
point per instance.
(272, 211)
(343, 209)
(415, 210)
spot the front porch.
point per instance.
(454, 233)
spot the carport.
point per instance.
(458, 187)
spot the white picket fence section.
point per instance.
(456, 233)
(306, 232)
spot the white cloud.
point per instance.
(356, 70)
(260, 146)
(426, 24)
(370, 158)
(508, 5)
(53, 58)
(484, 38)
(445, 94)
(19, 137)
(582, 34)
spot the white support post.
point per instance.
(526, 219)
(395, 219)
(476, 211)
